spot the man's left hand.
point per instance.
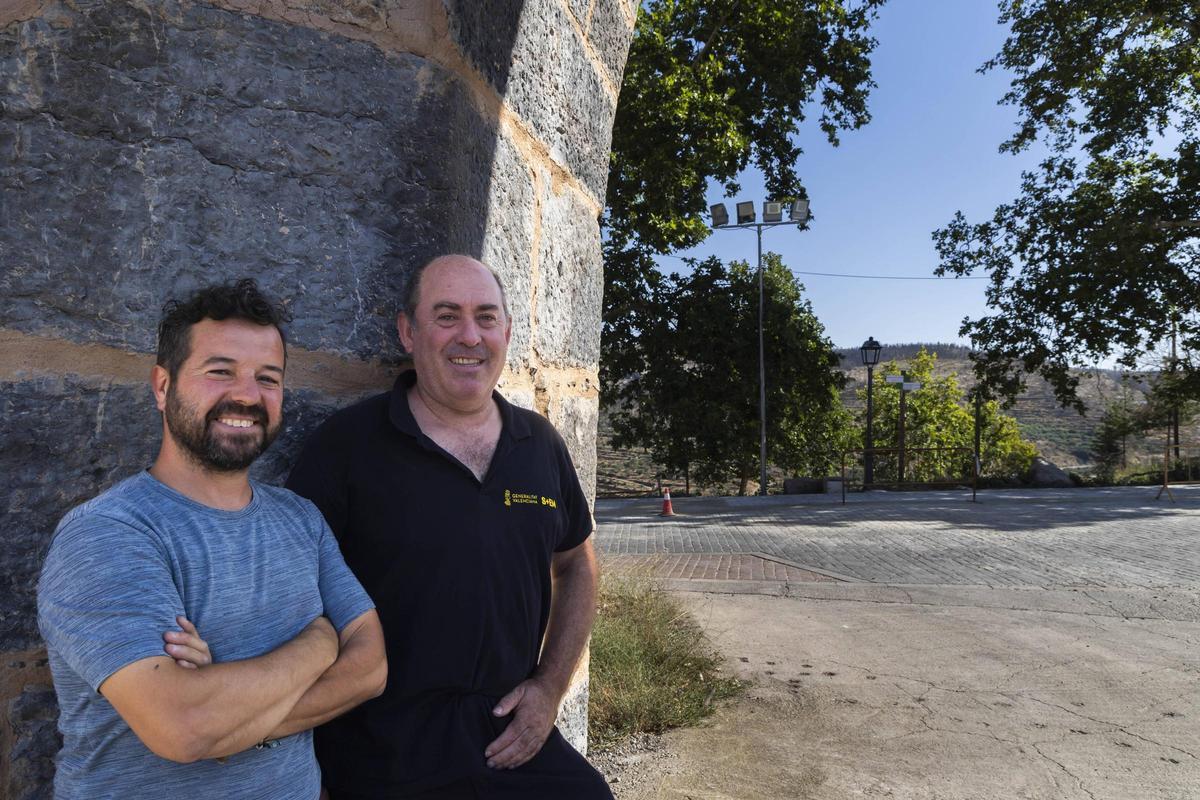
(186, 646)
(534, 708)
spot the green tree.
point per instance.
(1119, 421)
(1103, 243)
(1003, 453)
(938, 415)
(710, 87)
(690, 390)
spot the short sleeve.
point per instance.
(579, 516)
(342, 595)
(106, 596)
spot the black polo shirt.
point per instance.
(459, 570)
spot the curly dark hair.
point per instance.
(240, 300)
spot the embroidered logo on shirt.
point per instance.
(512, 498)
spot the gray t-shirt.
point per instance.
(121, 567)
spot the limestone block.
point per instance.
(508, 241)
(487, 34)
(575, 419)
(519, 397)
(157, 150)
(570, 282)
(64, 441)
(610, 33)
(579, 10)
(573, 715)
(32, 718)
(547, 79)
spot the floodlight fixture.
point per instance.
(772, 211)
(745, 212)
(720, 216)
(799, 211)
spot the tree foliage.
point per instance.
(1144, 410)
(688, 384)
(1102, 246)
(1119, 420)
(939, 415)
(711, 86)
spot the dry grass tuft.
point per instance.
(651, 667)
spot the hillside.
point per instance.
(1062, 435)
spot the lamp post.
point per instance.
(870, 357)
(798, 215)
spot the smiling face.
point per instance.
(459, 334)
(224, 405)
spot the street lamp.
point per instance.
(870, 357)
(798, 215)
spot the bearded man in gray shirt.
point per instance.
(198, 623)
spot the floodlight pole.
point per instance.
(762, 367)
(762, 377)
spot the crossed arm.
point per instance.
(185, 708)
(359, 674)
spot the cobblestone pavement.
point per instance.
(713, 566)
(1113, 538)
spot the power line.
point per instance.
(892, 277)
(871, 277)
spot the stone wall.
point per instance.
(324, 147)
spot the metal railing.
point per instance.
(909, 461)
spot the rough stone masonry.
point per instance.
(323, 147)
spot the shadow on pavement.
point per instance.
(1000, 510)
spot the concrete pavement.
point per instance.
(1033, 645)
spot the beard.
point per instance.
(232, 452)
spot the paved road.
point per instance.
(1040, 645)
(1084, 537)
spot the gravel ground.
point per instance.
(628, 764)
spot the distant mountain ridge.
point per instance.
(902, 352)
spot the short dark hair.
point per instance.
(411, 295)
(240, 300)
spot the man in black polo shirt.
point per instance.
(463, 518)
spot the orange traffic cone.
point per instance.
(667, 510)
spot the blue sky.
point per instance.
(930, 149)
